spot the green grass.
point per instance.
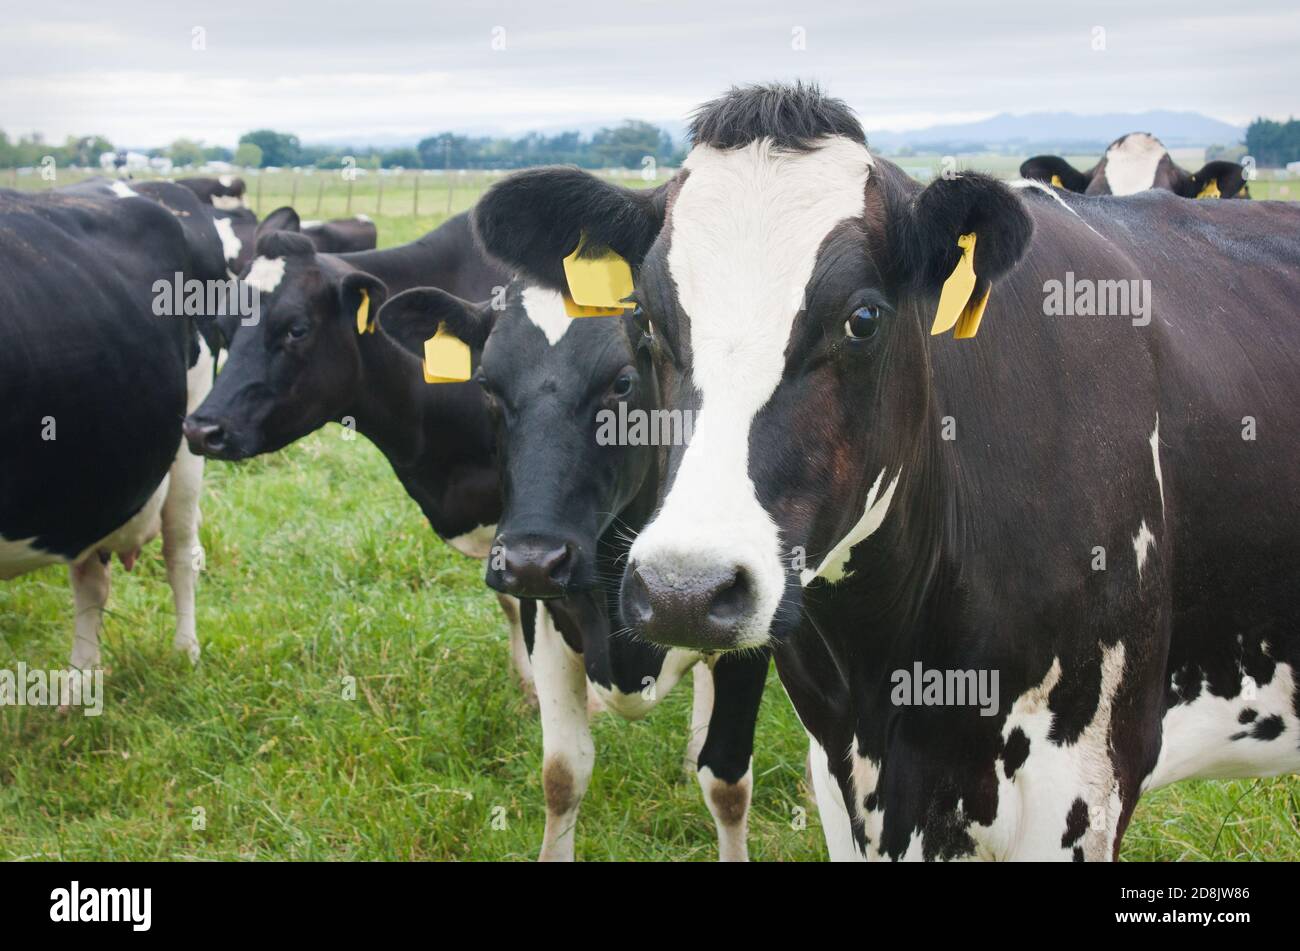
(319, 568)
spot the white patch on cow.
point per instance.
(230, 243)
(635, 705)
(228, 202)
(313, 223)
(19, 556)
(545, 308)
(834, 814)
(1155, 460)
(1130, 165)
(1198, 737)
(1143, 541)
(729, 805)
(873, 514)
(746, 228)
(266, 274)
(365, 218)
(123, 190)
(226, 180)
(476, 543)
(1034, 802)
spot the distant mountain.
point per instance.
(1060, 132)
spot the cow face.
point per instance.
(556, 387)
(298, 366)
(1137, 162)
(792, 280)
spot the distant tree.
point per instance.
(1273, 144)
(217, 153)
(186, 152)
(248, 155)
(402, 158)
(277, 148)
(445, 151)
(86, 150)
(627, 145)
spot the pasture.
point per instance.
(320, 573)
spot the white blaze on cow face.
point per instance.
(1131, 164)
(545, 308)
(746, 227)
(266, 274)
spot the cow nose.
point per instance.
(704, 609)
(532, 567)
(205, 439)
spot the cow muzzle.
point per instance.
(533, 566)
(710, 607)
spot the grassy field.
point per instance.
(319, 569)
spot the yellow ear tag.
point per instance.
(957, 289)
(446, 358)
(599, 283)
(968, 324)
(1211, 190)
(579, 310)
(363, 314)
(1056, 181)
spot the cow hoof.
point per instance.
(190, 649)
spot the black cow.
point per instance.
(574, 496)
(1011, 581)
(1134, 163)
(226, 192)
(95, 384)
(309, 361)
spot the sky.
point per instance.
(146, 72)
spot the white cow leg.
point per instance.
(568, 753)
(180, 536)
(90, 581)
(836, 825)
(701, 710)
(518, 647)
(729, 805)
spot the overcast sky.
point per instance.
(364, 69)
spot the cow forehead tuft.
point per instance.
(266, 274)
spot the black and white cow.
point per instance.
(573, 500)
(309, 362)
(239, 228)
(1099, 511)
(226, 192)
(1134, 163)
(95, 384)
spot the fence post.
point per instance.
(379, 200)
(416, 213)
(348, 209)
(259, 192)
(320, 193)
(293, 195)
(451, 189)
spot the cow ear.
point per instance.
(415, 315)
(1054, 170)
(361, 296)
(533, 219)
(964, 233)
(282, 219)
(1217, 179)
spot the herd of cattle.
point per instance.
(1102, 512)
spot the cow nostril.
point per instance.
(636, 599)
(558, 562)
(733, 600)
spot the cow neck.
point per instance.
(390, 404)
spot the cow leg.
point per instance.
(180, 516)
(568, 753)
(519, 647)
(726, 758)
(90, 581)
(836, 825)
(701, 709)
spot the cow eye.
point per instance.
(863, 323)
(622, 386)
(297, 331)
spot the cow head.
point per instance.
(791, 282)
(297, 368)
(1137, 162)
(553, 384)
